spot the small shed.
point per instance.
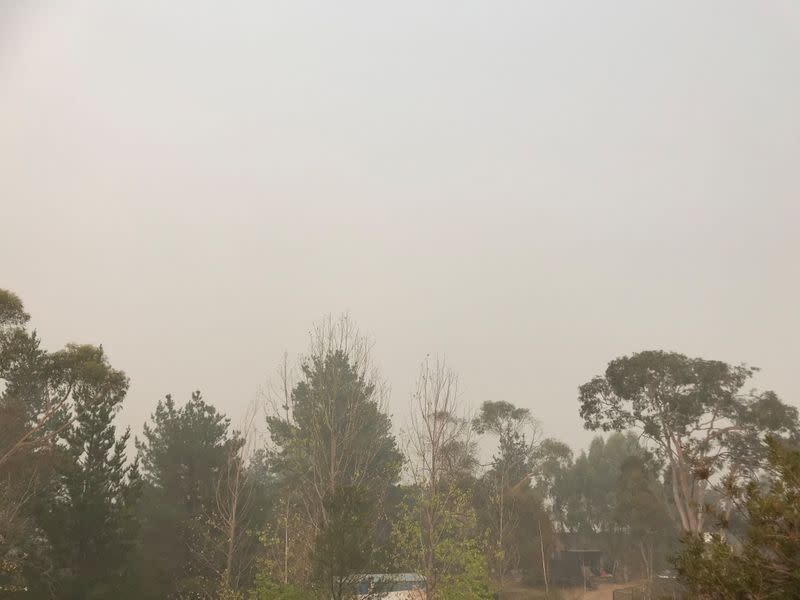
(577, 560)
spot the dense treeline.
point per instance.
(318, 484)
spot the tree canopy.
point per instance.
(766, 563)
(334, 451)
(321, 486)
(697, 415)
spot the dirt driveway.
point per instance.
(605, 591)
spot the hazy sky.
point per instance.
(529, 188)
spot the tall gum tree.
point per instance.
(696, 414)
(508, 479)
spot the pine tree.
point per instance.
(89, 519)
(766, 563)
(184, 454)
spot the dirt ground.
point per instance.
(605, 591)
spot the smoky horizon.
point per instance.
(424, 300)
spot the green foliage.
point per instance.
(337, 458)
(24, 469)
(514, 429)
(344, 545)
(90, 519)
(550, 462)
(471, 580)
(508, 508)
(337, 424)
(641, 512)
(182, 447)
(183, 455)
(767, 563)
(585, 495)
(267, 589)
(67, 498)
(663, 392)
(501, 418)
(639, 505)
(460, 570)
(12, 311)
(269, 572)
(78, 520)
(614, 491)
(696, 414)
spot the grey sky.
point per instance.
(531, 188)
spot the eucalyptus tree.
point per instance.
(587, 492)
(641, 512)
(551, 462)
(697, 415)
(508, 482)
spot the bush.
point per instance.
(266, 589)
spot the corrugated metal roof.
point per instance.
(389, 577)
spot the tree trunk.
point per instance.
(544, 565)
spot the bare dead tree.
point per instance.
(37, 435)
(292, 559)
(330, 429)
(438, 449)
(336, 456)
(233, 499)
(221, 546)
